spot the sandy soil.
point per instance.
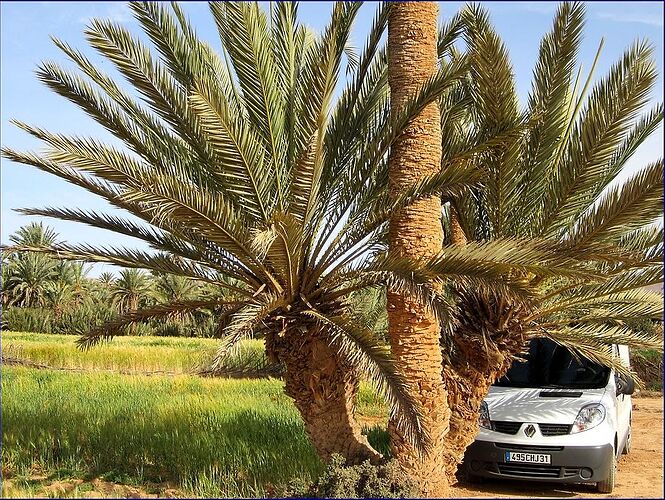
(640, 473)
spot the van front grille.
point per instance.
(554, 429)
(506, 427)
(571, 472)
(528, 447)
(529, 470)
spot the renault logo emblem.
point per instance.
(529, 430)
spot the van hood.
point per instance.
(551, 406)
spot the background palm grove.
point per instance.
(277, 185)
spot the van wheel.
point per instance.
(470, 478)
(629, 442)
(608, 485)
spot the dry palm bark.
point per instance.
(482, 349)
(416, 232)
(457, 236)
(324, 389)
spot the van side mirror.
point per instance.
(625, 385)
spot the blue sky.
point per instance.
(26, 28)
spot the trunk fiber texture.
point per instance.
(481, 350)
(416, 232)
(324, 389)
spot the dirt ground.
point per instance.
(640, 473)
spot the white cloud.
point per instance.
(539, 7)
(633, 12)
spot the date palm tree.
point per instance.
(34, 233)
(106, 279)
(555, 183)
(28, 279)
(130, 290)
(247, 174)
(416, 232)
(27, 276)
(173, 288)
(249, 177)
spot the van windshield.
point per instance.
(549, 365)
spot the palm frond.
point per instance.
(623, 208)
(639, 133)
(549, 101)
(244, 320)
(623, 282)
(613, 308)
(242, 158)
(611, 107)
(495, 104)
(243, 30)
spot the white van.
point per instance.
(556, 419)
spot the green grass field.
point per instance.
(172, 434)
(204, 437)
(145, 354)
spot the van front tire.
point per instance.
(629, 442)
(469, 477)
(607, 486)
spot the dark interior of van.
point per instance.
(549, 365)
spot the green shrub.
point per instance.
(25, 319)
(172, 328)
(378, 436)
(356, 481)
(81, 319)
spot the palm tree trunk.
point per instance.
(467, 386)
(476, 359)
(416, 232)
(324, 390)
(457, 236)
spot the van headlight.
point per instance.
(484, 419)
(588, 417)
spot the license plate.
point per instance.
(528, 458)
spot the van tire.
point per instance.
(608, 485)
(470, 478)
(629, 442)
(473, 479)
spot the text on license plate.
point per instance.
(529, 458)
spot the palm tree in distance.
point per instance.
(106, 279)
(174, 288)
(27, 276)
(171, 288)
(28, 279)
(35, 234)
(130, 290)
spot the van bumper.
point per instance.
(569, 464)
